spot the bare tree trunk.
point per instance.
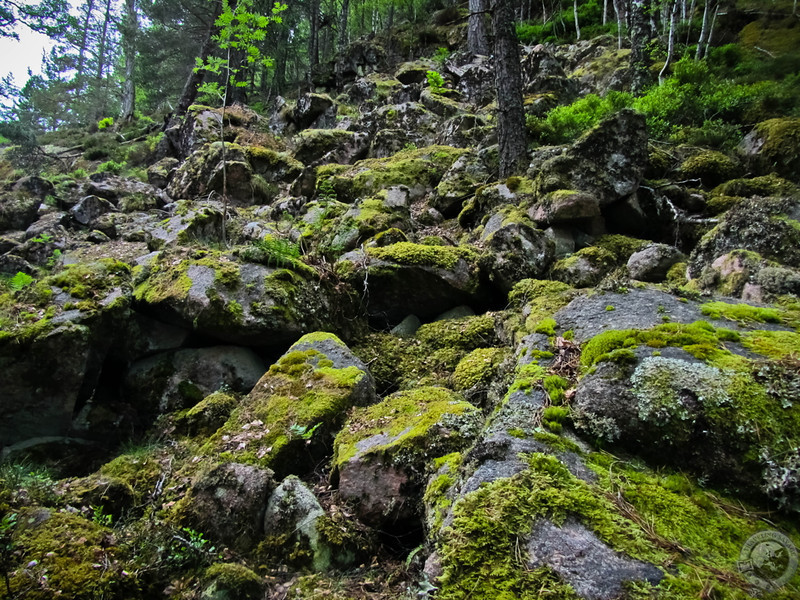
(508, 81)
(84, 40)
(196, 76)
(605, 11)
(313, 35)
(101, 51)
(703, 32)
(711, 29)
(129, 31)
(673, 18)
(477, 36)
(343, 17)
(620, 14)
(640, 35)
(577, 25)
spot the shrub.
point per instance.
(104, 123)
(435, 82)
(110, 166)
(565, 123)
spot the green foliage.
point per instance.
(101, 518)
(191, 549)
(435, 81)
(278, 252)
(240, 31)
(565, 123)
(441, 55)
(20, 281)
(110, 166)
(104, 123)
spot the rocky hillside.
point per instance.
(332, 356)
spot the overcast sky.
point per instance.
(19, 55)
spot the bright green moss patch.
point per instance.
(91, 280)
(404, 420)
(478, 367)
(546, 326)
(699, 339)
(300, 402)
(773, 344)
(742, 313)
(694, 536)
(407, 253)
(467, 333)
(542, 297)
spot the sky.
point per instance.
(16, 56)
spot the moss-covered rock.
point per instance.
(407, 278)
(478, 368)
(419, 169)
(18, 210)
(322, 146)
(208, 415)
(607, 162)
(565, 206)
(384, 451)
(515, 249)
(213, 293)
(273, 166)
(774, 145)
(230, 581)
(226, 503)
(459, 183)
(60, 554)
(710, 167)
(766, 226)
(288, 421)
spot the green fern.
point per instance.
(20, 281)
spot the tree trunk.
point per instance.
(343, 17)
(620, 14)
(508, 81)
(703, 32)
(196, 76)
(313, 35)
(673, 18)
(84, 42)
(711, 29)
(640, 36)
(101, 51)
(279, 79)
(577, 25)
(129, 30)
(477, 37)
(605, 10)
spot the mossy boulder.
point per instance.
(239, 302)
(653, 262)
(459, 183)
(767, 226)
(774, 145)
(439, 104)
(710, 167)
(514, 249)
(59, 554)
(322, 146)
(160, 173)
(383, 452)
(18, 210)
(414, 72)
(478, 369)
(314, 110)
(208, 415)
(402, 125)
(607, 162)
(679, 395)
(407, 278)
(230, 581)
(288, 421)
(418, 169)
(202, 173)
(273, 166)
(192, 222)
(227, 503)
(565, 207)
(369, 217)
(180, 379)
(295, 526)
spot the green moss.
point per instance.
(62, 554)
(140, 469)
(542, 297)
(773, 344)
(91, 280)
(232, 581)
(710, 166)
(406, 419)
(698, 337)
(555, 386)
(436, 497)
(467, 333)
(765, 185)
(693, 535)
(478, 367)
(300, 402)
(412, 167)
(407, 253)
(742, 313)
(208, 415)
(546, 326)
